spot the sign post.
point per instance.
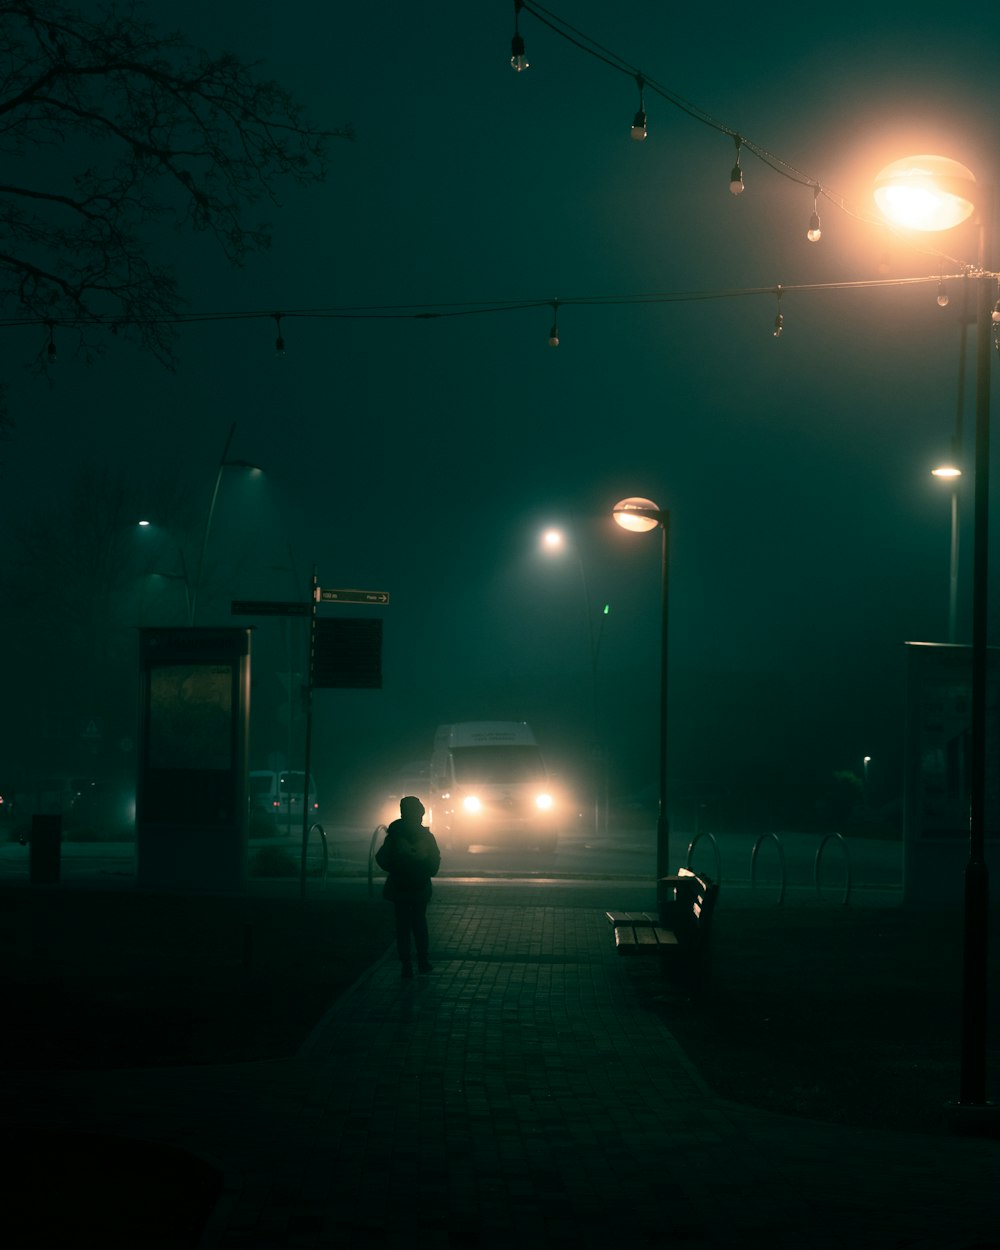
(343, 654)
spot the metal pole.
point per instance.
(953, 570)
(309, 720)
(663, 823)
(976, 917)
(208, 523)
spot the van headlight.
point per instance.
(472, 804)
(544, 802)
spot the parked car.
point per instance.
(276, 799)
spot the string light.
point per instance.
(814, 233)
(736, 176)
(779, 320)
(639, 121)
(279, 342)
(518, 61)
(554, 330)
(942, 295)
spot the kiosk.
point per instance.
(191, 788)
(938, 781)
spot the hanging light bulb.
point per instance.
(51, 355)
(779, 320)
(639, 121)
(736, 176)
(554, 330)
(942, 295)
(814, 233)
(518, 61)
(996, 313)
(279, 342)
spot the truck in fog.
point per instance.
(489, 785)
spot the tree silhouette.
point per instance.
(111, 130)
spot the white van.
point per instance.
(489, 785)
(279, 796)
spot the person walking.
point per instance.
(409, 856)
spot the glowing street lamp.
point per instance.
(935, 193)
(555, 542)
(639, 516)
(224, 462)
(926, 193)
(951, 473)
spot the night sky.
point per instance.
(425, 456)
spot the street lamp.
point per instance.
(224, 462)
(950, 472)
(934, 193)
(555, 542)
(146, 526)
(640, 516)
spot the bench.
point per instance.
(679, 934)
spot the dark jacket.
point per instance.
(410, 857)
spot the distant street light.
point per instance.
(639, 516)
(157, 532)
(935, 193)
(223, 464)
(951, 473)
(555, 541)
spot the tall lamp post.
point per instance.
(554, 541)
(224, 461)
(951, 472)
(640, 516)
(933, 193)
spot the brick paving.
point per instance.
(523, 1094)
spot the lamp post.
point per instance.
(640, 516)
(555, 541)
(223, 463)
(146, 527)
(951, 472)
(934, 193)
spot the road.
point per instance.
(623, 854)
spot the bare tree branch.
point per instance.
(110, 129)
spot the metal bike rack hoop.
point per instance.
(847, 864)
(781, 861)
(715, 846)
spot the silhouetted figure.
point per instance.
(410, 857)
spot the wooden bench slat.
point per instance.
(641, 933)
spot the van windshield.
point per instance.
(496, 765)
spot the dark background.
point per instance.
(424, 457)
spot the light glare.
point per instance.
(629, 514)
(926, 192)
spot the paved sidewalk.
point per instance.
(522, 1094)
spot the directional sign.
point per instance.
(353, 596)
(268, 607)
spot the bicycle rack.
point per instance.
(715, 847)
(318, 828)
(781, 861)
(847, 862)
(379, 829)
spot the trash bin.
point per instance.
(45, 849)
(674, 897)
